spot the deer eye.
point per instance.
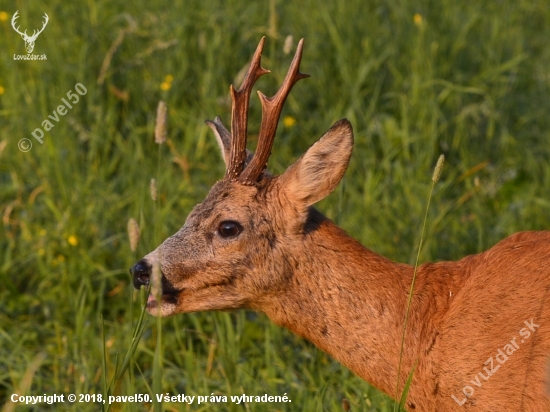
(228, 228)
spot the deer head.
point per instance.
(29, 40)
(236, 248)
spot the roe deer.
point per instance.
(478, 328)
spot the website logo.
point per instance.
(29, 40)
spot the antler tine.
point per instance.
(271, 111)
(239, 114)
(46, 19)
(13, 23)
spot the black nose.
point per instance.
(141, 272)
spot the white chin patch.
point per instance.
(164, 309)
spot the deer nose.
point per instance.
(141, 273)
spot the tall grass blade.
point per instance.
(435, 178)
(407, 387)
(136, 335)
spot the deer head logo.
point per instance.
(29, 40)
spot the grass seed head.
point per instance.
(154, 190)
(346, 406)
(160, 125)
(438, 167)
(289, 41)
(133, 234)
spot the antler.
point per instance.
(239, 114)
(35, 33)
(271, 111)
(46, 20)
(13, 19)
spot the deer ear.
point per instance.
(320, 169)
(222, 136)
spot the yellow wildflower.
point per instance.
(289, 121)
(417, 19)
(59, 259)
(167, 83)
(4, 16)
(2, 90)
(73, 240)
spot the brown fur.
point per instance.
(309, 276)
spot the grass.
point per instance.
(402, 399)
(469, 80)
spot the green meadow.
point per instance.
(470, 80)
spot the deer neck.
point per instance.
(350, 302)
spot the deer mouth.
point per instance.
(168, 297)
(168, 300)
(166, 303)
